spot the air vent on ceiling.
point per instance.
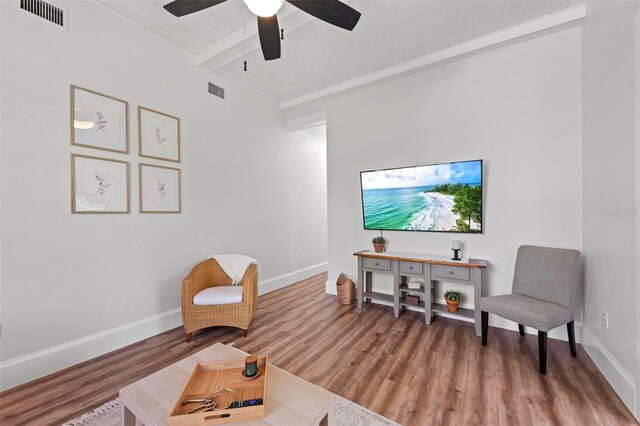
(216, 90)
(44, 10)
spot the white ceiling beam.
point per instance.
(236, 44)
(306, 122)
(492, 39)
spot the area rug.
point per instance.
(343, 413)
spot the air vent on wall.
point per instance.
(216, 90)
(44, 10)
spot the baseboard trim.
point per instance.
(37, 364)
(330, 287)
(284, 280)
(618, 377)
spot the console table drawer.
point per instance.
(455, 272)
(381, 264)
(411, 268)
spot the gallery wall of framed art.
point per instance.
(103, 185)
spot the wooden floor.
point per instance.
(400, 368)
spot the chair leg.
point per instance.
(572, 338)
(188, 337)
(542, 351)
(245, 332)
(485, 326)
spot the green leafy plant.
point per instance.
(378, 240)
(468, 204)
(451, 295)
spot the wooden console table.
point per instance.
(431, 268)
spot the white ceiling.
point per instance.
(316, 55)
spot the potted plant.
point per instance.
(453, 300)
(378, 244)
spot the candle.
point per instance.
(455, 245)
(250, 366)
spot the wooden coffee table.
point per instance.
(290, 400)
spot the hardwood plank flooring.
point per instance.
(400, 368)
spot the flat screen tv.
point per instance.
(435, 198)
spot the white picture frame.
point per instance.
(99, 185)
(159, 189)
(158, 135)
(99, 121)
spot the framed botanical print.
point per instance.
(158, 135)
(99, 185)
(99, 121)
(159, 189)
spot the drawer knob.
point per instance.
(451, 272)
(377, 263)
(411, 267)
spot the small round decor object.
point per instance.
(250, 366)
(452, 305)
(245, 377)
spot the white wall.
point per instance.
(517, 107)
(248, 186)
(554, 119)
(609, 191)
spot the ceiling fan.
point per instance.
(332, 11)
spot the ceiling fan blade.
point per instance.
(332, 11)
(185, 7)
(269, 34)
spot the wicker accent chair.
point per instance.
(208, 273)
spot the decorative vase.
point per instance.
(452, 305)
(379, 248)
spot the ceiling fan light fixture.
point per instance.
(264, 8)
(333, 12)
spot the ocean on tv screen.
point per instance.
(444, 197)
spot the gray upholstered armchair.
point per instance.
(543, 294)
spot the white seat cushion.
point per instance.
(220, 295)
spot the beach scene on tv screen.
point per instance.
(441, 197)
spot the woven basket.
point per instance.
(346, 290)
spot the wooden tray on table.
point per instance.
(208, 377)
